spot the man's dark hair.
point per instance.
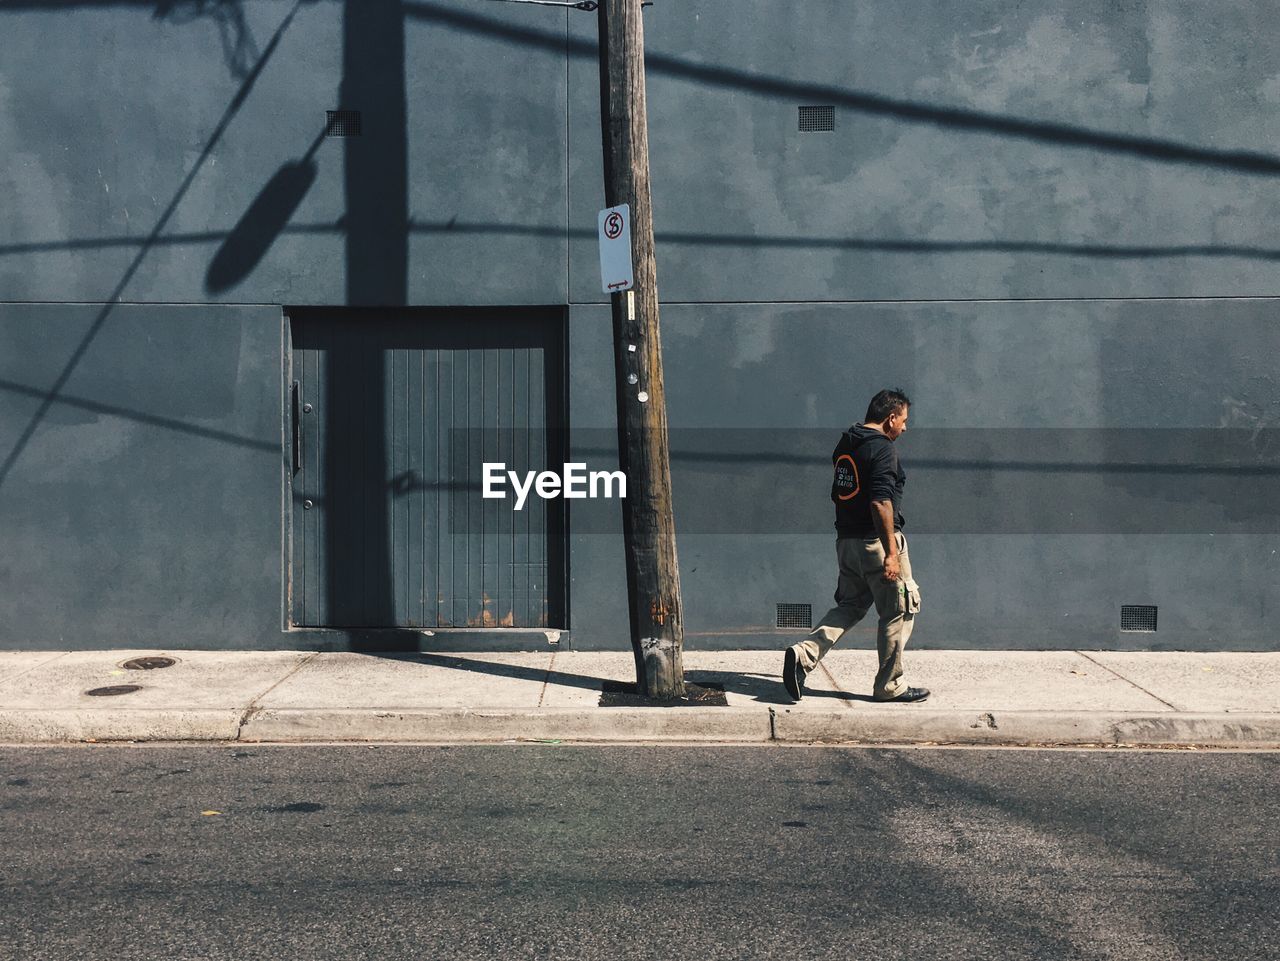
(885, 404)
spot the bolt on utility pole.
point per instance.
(653, 579)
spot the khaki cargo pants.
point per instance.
(862, 584)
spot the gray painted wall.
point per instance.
(158, 99)
(1007, 191)
(1063, 459)
(144, 509)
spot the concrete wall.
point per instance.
(1053, 229)
(1064, 459)
(462, 133)
(144, 506)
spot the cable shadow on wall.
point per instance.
(887, 245)
(1153, 148)
(955, 118)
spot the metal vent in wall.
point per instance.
(795, 615)
(1137, 617)
(343, 123)
(817, 118)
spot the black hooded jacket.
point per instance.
(866, 469)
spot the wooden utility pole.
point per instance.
(653, 579)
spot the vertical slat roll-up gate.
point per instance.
(392, 415)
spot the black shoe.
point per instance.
(793, 675)
(908, 696)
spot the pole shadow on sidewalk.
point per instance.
(762, 688)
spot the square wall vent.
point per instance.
(795, 615)
(1138, 617)
(817, 118)
(343, 123)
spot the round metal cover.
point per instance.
(113, 690)
(148, 663)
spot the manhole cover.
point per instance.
(114, 689)
(148, 663)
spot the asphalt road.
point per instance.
(560, 852)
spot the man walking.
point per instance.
(871, 551)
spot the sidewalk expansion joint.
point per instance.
(253, 708)
(836, 684)
(34, 667)
(1127, 680)
(551, 666)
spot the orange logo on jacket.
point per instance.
(847, 477)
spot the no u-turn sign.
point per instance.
(616, 272)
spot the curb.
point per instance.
(713, 725)
(904, 726)
(35, 726)
(1027, 728)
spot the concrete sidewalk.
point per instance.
(995, 698)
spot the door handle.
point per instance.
(297, 427)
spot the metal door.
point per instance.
(392, 414)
